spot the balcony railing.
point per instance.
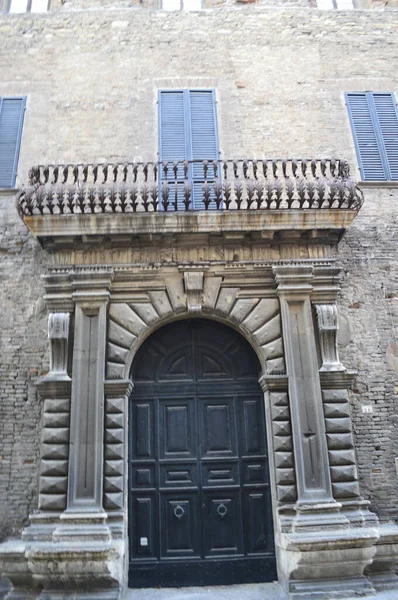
(190, 185)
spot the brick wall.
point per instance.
(23, 348)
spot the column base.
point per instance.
(382, 571)
(357, 512)
(41, 527)
(326, 564)
(321, 515)
(83, 527)
(57, 570)
(57, 595)
(320, 590)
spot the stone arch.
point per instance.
(256, 319)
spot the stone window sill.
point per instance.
(378, 184)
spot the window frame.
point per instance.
(188, 129)
(336, 7)
(28, 8)
(374, 119)
(181, 9)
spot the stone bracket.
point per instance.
(327, 318)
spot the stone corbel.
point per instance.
(58, 334)
(193, 284)
(327, 318)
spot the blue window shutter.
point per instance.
(174, 138)
(204, 138)
(188, 131)
(173, 135)
(386, 112)
(374, 124)
(364, 130)
(11, 120)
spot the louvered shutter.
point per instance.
(374, 125)
(174, 141)
(188, 131)
(204, 139)
(11, 119)
(388, 122)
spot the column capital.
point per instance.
(337, 380)
(58, 296)
(54, 387)
(294, 280)
(274, 383)
(116, 388)
(92, 289)
(326, 284)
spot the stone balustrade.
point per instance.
(266, 184)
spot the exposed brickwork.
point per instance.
(91, 79)
(23, 358)
(369, 305)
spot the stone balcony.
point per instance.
(268, 200)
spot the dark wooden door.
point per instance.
(199, 497)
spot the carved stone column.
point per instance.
(85, 479)
(315, 505)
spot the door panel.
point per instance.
(177, 428)
(179, 525)
(143, 441)
(218, 428)
(143, 510)
(183, 474)
(199, 498)
(222, 524)
(219, 474)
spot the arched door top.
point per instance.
(198, 349)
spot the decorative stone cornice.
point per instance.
(294, 280)
(54, 387)
(326, 284)
(274, 383)
(117, 388)
(337, 380)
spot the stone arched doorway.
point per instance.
(199, 494)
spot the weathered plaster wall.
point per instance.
(91, 78)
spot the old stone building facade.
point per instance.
(205, 394)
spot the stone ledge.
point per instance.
(309, 225)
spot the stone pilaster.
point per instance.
(315, 504)
(84, 513)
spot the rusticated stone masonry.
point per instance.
(340, 443)
(283, 448)
(55, 452)
(114, 454)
